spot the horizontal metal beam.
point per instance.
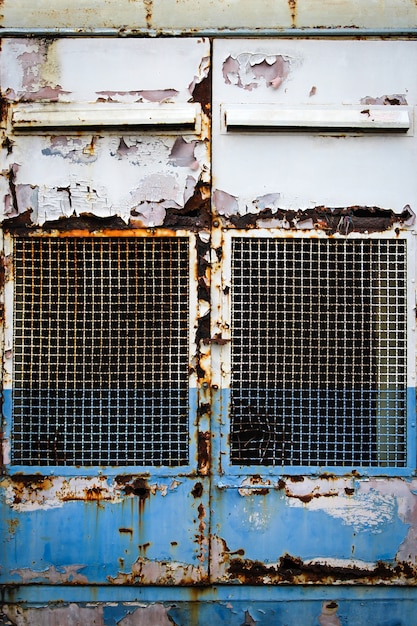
(337, 32)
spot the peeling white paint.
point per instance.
(132, 177)
(85, 72)
(371, 511)
(248, 71)
(313, 169)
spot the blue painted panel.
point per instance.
(87, 542)
(360, 609)
(267, 526)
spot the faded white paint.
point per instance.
(169, 15)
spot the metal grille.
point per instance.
(101, 351)
(318, 352)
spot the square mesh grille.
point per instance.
(101, 351)
(318, 352)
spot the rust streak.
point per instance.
(293, 570)
(204, 445)
(342, 220)
(148, 4)
(293, 10)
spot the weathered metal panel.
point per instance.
(121, 526)
(173, 16)
(336, 526)
(74, 174)
(119, 531)
(296, 546)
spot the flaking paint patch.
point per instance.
(203, 72)
(77, 198)
(363, 511)
(182, 154)
(71, 615)
(144, 95)
(24, 198)
(405, 495)
(394, 99)
(53, 492)
(250, 70)
(135, 178)
(37, 72)
(53, 575)
(328, 615)
(153, 615)
(145, 571)
(75, 149)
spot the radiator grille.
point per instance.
(318, 352)
(101, 351)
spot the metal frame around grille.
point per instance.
(319, 352)
(101, 351)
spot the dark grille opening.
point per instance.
(101, 351)
(318, 352)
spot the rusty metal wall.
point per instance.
(209, 541)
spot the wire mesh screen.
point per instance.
(318, 352)
(101, 351)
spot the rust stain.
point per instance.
(13, 525)
(126, 531)
(196, 214)
(293, 10)
(290, 569)
(201, 539)
(136, 487)
(204, 448)
(342, 220)
(197, 490)
(148, 4)
(3, 111)
(202, 93)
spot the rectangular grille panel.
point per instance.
(318, 352)
(101, 351)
